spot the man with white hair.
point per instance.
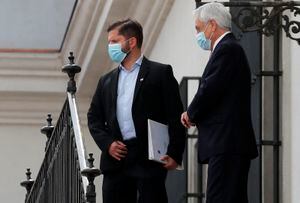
(221, 108)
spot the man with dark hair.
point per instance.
(129, 28)
(137, 90)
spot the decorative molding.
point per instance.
(23, 108)
(10, 50)
(29, 108)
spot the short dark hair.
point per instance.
(129, 28)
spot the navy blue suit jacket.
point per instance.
(221, 107)
(156, 97)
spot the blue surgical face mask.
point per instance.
(115, 52)
(202, 41)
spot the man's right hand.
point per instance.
(185, 120)
(118, 150)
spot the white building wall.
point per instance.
(290, 120)
(22, 147)
(294, 165)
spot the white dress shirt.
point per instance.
(219, 39)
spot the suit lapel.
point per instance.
(114, 87)
(114, 95)
(141, 77)
(229, 36)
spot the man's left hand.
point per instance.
(170, 163)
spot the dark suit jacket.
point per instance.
(156, 97)
(221, 107)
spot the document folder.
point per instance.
(158, 140)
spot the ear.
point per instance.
(133, 42)
(214, 25)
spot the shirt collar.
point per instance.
(137, 64)
(219, 39)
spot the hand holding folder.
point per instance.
(158, 140)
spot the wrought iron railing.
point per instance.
(265, 17)
(64, 176)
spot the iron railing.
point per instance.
(59, 178)
(64, 176)
(265, 17)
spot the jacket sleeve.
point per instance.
(96, 120)
(215, 83)
(174, 108)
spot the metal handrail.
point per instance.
(78, 137)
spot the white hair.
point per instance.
(216, 11)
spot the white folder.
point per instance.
(158, 140)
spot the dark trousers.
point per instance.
(142, 182)
(227, 179)
(120, 188)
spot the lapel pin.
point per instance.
(141, 80)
